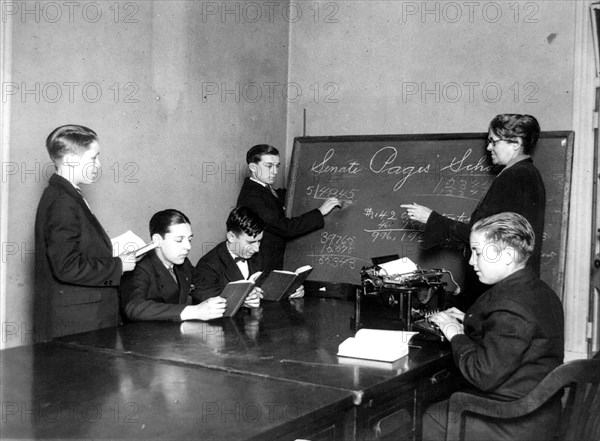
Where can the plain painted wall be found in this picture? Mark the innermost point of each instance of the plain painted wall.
(387, 67)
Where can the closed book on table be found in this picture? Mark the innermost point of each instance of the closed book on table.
(279, 284)
(376, 344)
(235, 293)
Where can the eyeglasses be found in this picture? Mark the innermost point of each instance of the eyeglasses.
(496, 141)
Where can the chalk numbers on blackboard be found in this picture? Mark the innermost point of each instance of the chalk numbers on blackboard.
(461, 187)
(322, 192)
(336, 250)
(385, 231)
(385, 216)
(455, 187)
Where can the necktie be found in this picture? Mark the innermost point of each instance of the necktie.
(273, 192)
(242, 264)
(81, 194)
(172, 272)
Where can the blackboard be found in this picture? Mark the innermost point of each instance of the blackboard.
(373, 175)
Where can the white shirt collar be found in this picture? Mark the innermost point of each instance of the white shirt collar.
(168, 267)
(259, 182)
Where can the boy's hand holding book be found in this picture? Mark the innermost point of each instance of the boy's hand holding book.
(128, 260)
(299, 293)
(253, 298)
(129, 247)
(279, 284)
(207, 310)
(238, 292)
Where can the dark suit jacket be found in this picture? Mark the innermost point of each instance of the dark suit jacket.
(519, 189)
(149, 292)
(76, 275)
(278, 228)
(513, 338)
(217, 268)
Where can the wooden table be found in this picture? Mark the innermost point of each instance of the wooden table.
(295, 341)
(53, 391)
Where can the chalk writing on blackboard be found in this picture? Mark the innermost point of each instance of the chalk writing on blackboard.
(383, 161)
(548, 257)
(336, 250)
(461, 187)
(352, 166)
(374, 175)
(322, 192)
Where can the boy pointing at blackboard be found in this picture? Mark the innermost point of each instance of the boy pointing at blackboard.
(258, 194)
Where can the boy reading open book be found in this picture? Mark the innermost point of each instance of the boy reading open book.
(237, 258)
(163, 281)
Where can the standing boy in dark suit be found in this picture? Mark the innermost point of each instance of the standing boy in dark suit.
(76, 273)
(236, 258)
(258, 195)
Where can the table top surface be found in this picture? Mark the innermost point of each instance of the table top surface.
(55, 391)
(293, 340)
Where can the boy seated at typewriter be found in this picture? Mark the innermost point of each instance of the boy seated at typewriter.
(509, 339)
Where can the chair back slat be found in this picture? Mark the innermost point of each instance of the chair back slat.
(580, 416)
(584, 420)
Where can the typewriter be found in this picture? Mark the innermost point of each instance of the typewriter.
(428, 329)
(401, 301)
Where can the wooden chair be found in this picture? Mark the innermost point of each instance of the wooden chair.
(580, 417)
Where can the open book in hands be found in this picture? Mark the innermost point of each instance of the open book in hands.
(376, 344)
(235, 293)
(129, 242)
(279, 284)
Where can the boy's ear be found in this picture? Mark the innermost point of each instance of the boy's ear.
(253, 167)
(157, 238)
(70, 159)
(231, 236)
(509, 256)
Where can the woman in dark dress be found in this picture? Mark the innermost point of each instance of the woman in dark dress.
(517, 188)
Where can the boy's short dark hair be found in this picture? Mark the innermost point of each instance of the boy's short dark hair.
(70, 138)
(508, 229)
(256, 153)
(244, 220)
(162, 221)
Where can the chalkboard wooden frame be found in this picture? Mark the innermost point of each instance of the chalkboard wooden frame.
(553, 157)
